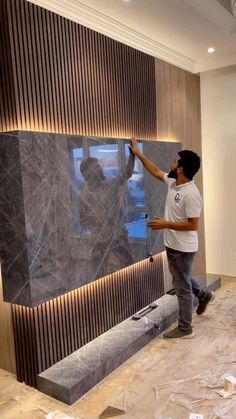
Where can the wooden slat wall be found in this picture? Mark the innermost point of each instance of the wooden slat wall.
(179, 118)
(65, 78)
(49, 332)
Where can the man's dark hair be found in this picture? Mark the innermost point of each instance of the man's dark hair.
(86, 164)
(190, 162)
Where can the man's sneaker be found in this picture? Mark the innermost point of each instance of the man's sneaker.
(179, 334)
(202, 306)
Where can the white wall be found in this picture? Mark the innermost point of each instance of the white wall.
(218, 107)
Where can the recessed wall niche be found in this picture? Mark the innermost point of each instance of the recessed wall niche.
(73, 210)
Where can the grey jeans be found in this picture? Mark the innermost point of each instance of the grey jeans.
(180, 266)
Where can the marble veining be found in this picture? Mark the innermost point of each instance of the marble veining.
(73, 209)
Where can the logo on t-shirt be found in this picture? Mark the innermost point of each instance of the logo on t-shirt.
(177, 198)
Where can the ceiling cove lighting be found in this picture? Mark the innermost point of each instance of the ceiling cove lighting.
(211, 50)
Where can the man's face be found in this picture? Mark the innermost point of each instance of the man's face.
(96, 173)
(173, 174)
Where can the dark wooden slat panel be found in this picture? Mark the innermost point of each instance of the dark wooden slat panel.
(28, 46)
(47, 73)
(93, 48)
(17, 343)
(37, 337)
(55, 29)
(91, 101)
(57, 348)
(22, 57)
(63, 93)
(67, 64)
(52, 66)
(74, 345)
(34, 69)
(51, 334)
(71, 71)
(101, 96)
(69, 79)
(47, 333)
(79, 82)
(14, 65)
(67, 324)
(7, 87)
(3, 100)
(77, 320)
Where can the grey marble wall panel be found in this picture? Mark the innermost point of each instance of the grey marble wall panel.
(13, 241)
(74, 210)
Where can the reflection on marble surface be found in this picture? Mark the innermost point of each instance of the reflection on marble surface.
(73, 209)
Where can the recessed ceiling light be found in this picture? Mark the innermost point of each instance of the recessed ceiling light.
(211, 50)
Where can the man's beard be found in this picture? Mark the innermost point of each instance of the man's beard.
(172, 174)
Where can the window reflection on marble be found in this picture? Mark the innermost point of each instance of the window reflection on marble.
(101, 199)
(130, 205)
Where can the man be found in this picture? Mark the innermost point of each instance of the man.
(180, 224)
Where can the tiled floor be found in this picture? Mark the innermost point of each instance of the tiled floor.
(166, 380)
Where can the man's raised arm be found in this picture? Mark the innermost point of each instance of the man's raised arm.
(149, 166)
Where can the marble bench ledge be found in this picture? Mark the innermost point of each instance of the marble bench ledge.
(72, 377)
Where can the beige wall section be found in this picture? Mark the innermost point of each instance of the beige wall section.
(218, 96)
(179, 118)
(7, 356)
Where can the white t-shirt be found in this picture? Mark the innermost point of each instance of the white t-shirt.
(182, 202)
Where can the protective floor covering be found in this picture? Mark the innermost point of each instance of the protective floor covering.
(166, 380)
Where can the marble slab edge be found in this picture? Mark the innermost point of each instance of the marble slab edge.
(71, 378)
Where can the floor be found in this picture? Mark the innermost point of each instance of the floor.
(165, 380)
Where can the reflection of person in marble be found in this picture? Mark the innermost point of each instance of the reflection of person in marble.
(101, 201)
(180, 224)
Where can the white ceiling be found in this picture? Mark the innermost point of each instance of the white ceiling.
(177, 31)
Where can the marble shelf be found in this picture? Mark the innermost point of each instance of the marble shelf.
(75, 375)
